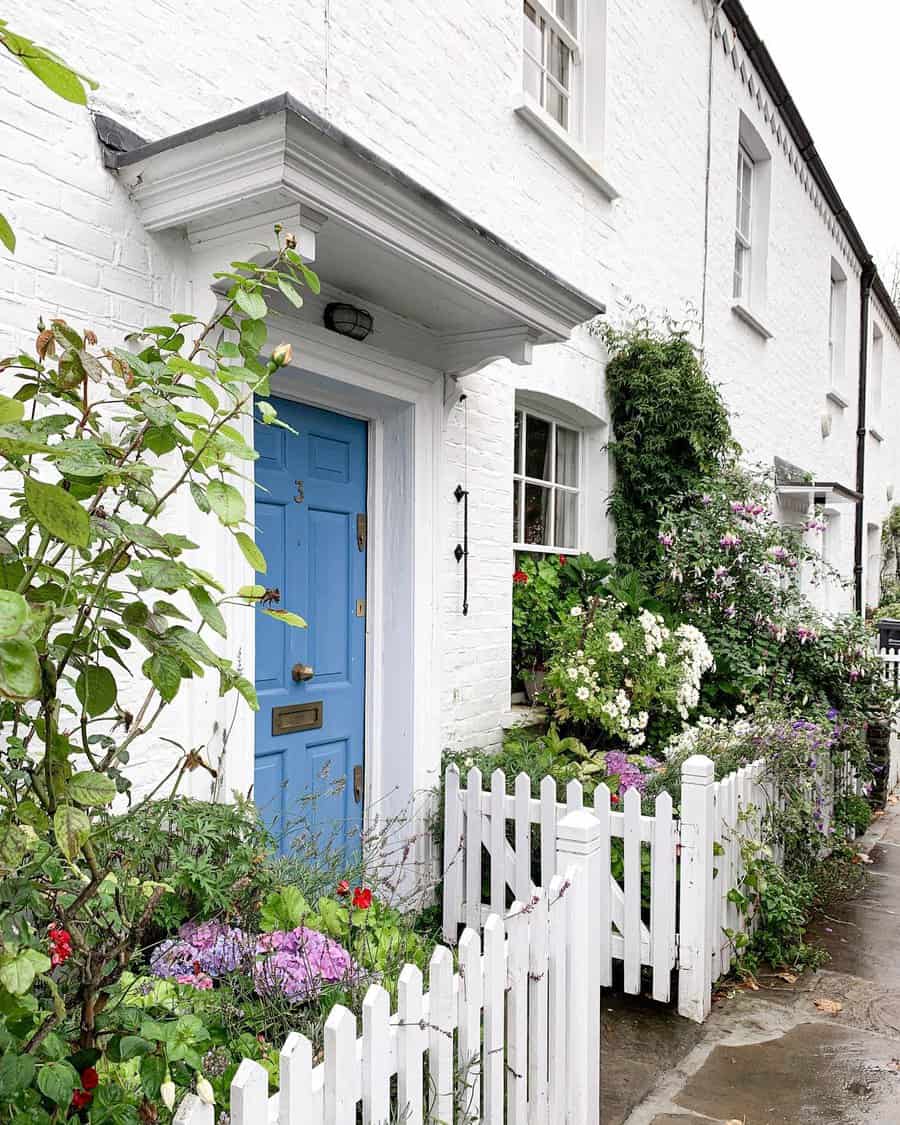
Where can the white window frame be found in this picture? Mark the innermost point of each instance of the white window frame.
(876, 380)
(551, 24)
(837, 330)
(743, 238)
(520, 480)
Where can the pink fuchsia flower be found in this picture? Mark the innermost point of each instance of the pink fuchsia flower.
(736, 506)
(806, 635)
(706, 499)
(779, 554)
(729, 611)
(720, 572)
(666, 538)
(729, 540)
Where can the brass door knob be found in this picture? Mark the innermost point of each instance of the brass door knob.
(302, 672)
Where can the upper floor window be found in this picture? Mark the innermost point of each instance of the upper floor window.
(552, 59)
(546, 485)
(876, 379)
(753, 185)
(837, 328)
(742, 224)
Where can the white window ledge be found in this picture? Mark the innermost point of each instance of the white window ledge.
(541, 121)
(741, 311)
(837, 398)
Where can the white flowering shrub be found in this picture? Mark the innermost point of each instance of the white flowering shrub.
(624, 678)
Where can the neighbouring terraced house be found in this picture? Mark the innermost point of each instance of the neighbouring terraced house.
(475, 183)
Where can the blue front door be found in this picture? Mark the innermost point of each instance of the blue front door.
(310, 525)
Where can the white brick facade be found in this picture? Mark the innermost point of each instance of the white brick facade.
(431, 89)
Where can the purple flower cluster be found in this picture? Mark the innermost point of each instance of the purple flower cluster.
(629, 775)
(295, 963)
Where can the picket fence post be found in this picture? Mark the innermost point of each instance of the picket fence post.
(696, 895)
(579, 844)
(193, 1111)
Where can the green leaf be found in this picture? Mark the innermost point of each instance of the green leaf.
(58, 1081)
(226, 502)
(71, 828)
(250, 302)
(253, 334)
(58, 78)
(153, 1071)
(164, 672)
(286, 617)
(252, 593)
(11, 409)
(209, 611)
(7, 235)
(96, 690)
(18, 970)
(165, 574)
(20, 673)
(13, 846)
(132, 1046)
(13, 612)
(290, 292)
(335, 917)
(16, 1075)
(283, 910)
(91, 788)
(251, 552)
(58, 513)
(199, 497)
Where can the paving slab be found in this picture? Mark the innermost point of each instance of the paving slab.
(824, 1050)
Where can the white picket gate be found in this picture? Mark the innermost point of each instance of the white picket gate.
(511, 1037)
(666, 889)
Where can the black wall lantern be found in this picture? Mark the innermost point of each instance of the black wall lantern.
(347, 320)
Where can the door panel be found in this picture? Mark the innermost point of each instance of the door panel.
(312, 487)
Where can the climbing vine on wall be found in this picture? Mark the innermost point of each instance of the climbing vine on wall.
(670, 431)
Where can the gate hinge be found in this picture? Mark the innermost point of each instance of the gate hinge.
(361, 530)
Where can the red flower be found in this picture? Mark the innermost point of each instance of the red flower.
(520, 577)
(562, 560)
(89, 1078)
(60, 945)
(614, 798)
(343, 887)
(81, 1098)
(362, 898)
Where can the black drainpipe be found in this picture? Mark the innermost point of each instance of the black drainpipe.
(865, 290)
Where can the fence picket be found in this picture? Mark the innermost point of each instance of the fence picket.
(494, 988)
(469, 1001)
(295, 1081)
(498, 842)
(522, 886)
(517, 1014)
(473, 847)
(440, 1035)
(574, 796)
(341, 1075)
(410, 1045)
(453, 854)
(548, 830)
(632, 933)
(538, 1008)
(604, 906)
(376, 1068)
(249, 1094)
(662, 897)
(557, 952)
(193, 1111)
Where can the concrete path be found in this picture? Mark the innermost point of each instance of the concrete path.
(824, 1051)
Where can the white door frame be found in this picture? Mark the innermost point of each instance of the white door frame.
(339, 374)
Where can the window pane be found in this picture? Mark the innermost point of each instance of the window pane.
(517, 508)
(566, 456)
(559, 58)
(537, 448)
(738, 270)
(557, 105)
(537, 514)
(565, 11)
(746, 196)
(566, 519)
(517, 453)
(531, 77)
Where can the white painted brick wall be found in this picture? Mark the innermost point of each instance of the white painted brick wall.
(430, 87)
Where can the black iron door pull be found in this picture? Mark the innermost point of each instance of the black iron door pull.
(461, 551)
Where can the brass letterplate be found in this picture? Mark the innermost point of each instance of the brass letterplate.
(300, 716)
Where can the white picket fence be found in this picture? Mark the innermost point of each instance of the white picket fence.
(890, 658)
(664, 898)
(511, 1037)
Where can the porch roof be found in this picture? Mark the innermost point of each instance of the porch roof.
(372, 230)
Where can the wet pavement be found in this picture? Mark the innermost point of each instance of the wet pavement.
(822, 1051)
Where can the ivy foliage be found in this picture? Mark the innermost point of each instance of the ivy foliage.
(670, 432)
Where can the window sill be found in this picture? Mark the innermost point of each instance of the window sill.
(741, 311)
(837, 398)
(541, 121)
(876, 434)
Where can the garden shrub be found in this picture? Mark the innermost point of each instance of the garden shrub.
(670, 432)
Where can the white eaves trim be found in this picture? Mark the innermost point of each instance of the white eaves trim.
(541, 121)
